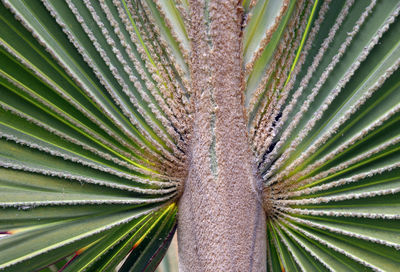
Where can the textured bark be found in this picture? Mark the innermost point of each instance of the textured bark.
(221, 220)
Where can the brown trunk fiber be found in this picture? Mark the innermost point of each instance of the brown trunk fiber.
(221, 220)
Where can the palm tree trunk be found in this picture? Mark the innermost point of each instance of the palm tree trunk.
(221, 220)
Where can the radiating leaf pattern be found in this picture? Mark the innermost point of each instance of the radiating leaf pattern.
(324, 120)
(93, 109)
(95, 120)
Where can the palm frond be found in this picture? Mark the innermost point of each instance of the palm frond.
(93, 107)
(324, 123)
(96, 114)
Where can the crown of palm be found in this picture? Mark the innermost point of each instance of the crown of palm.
(96, 116)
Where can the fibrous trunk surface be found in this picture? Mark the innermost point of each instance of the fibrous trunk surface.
(221, 220)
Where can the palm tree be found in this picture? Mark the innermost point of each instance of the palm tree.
(267, 132)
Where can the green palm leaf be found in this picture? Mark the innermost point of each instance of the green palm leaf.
(96, 112)
(87, 138)
(330, 121)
